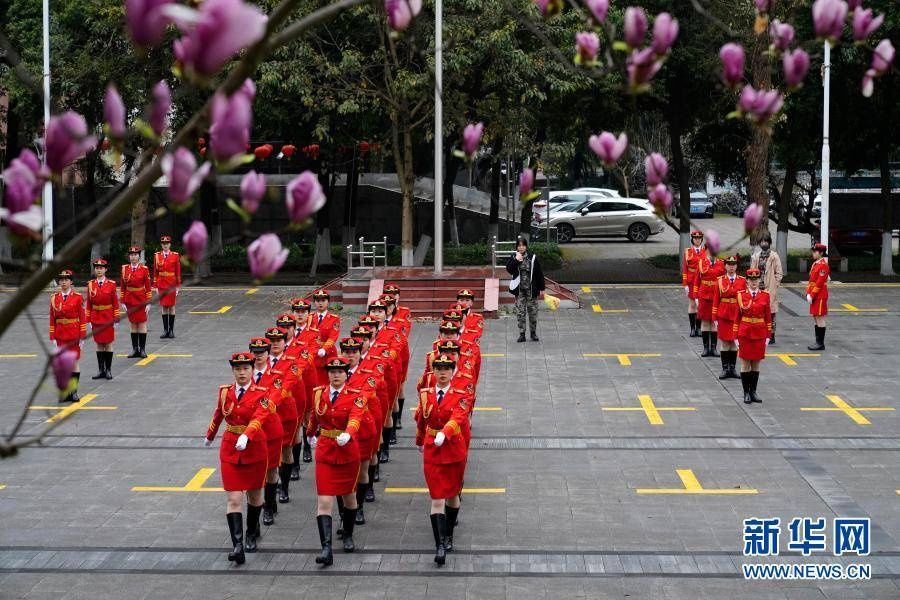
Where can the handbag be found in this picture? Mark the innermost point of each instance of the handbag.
(514, 285)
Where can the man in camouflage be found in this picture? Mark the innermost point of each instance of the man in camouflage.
(527, 285)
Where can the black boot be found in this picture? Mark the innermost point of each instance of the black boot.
(295, 452)
(451, 513)
(171, 327)
(439, 529)
(370, 489)
(101, 363)
(696, 326)
(713, 342)
(349, 515)
(236, 527)
(384, 456)
(725, 365)
(252, 527)
(284, 474)
(745, 383)
(732, 373)
(820, 339)
(165, 320)
(142, 345)
(521, 336)
(360, 500)
(135, 346)
(340, 506)
(754, 379)
(534, 337)
(693, 319)
(307, 450)
(269, 504)
(325, 557)
(109, 357)
(375, 477)
(772, 335)
(399, 415)
(706, 352)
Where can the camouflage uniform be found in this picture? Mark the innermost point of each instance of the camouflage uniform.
(525, 302)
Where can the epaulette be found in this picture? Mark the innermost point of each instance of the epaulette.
(260, 388)
(227, 385)
(319, 387)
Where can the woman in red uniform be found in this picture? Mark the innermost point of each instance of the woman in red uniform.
(753, 329)
(334, 423)
(136, 292)
(242, 456)
(68, 326)
(709, 269)
(689, 264)
(442, 420)
(817, 293)
(282, 376)
(102, 313)
(328, 329)
(725, 311)
(271, 427)
(167, 280)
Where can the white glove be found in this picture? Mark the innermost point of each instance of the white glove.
(321, 352)
(123, 308)
(176, 292)
(342, 439)
(737, 344)
(312, 441)
(147, 308)
(421, 449)
(687, 291)
(242, 442)
(809, 298)
(767, 341)
(207, 442)
(439, 439)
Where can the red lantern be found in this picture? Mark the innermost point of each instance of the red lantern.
(288, 150)
(201, 142)
(364, 148)
(312, 151)
(263, 152)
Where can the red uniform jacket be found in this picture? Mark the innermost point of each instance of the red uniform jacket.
(725, 298)
(707, 274)
(474, 322)
(818, 280)
(283, 384)
(330, 420)
(451, 417)
(756, 319)
(692, 256)
(271, 426)
(402, 312)
(245, 417)
(327, 334)
(303, 347)
(374, 379)
(383, 365)
(102, 302)
(67, 319)
(166, 271)
(136, 286)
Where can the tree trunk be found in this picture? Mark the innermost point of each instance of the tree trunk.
(784, 211)
(681, 178)
(884, 157)
(452, 164)
(757, 156)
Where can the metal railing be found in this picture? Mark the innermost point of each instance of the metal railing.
(501, 250)
(374, 251)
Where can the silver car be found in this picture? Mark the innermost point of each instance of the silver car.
(631, 218)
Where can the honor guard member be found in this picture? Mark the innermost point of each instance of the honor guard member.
(68, 326)
(689, 266)
(473, 321)
(367, 437)
(334, 423)
(328, 330)
(753, 331)
(394, 290)
(272, 429)
(442, 420)
(370, 367)
(709, 269)
(817, 293)
(303, 350)
(469, 351)
(387, 345)
(726, 313)
(401, 328)
(102, 313)
(281, 379)
(167, 280)
(242, 456)
(136, 291)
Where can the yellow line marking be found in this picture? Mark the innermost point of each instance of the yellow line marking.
(853, 309)
(66, 412)
(151, 357)
(624, 359)
(598, 309)
(492, 355)
(251, 291)
(194, 485)
(651, 410)
(692, 486)
(415, 490)
(2, 487)
(585, 289)
(18, 355)
(221, 311)
(788, 357)
(854, 413)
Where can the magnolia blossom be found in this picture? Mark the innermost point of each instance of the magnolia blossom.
(28, 222)
(146, 20)
(66, 139)
(732, 57)
(526, 182)
(215, 33)
(182, 175)
(22, 182)
(753, 215)
(763, 6)
(231, 119)
(549, 8)
(266, 256)
(713, 242)
(114, 113)
(782, 34)
(62, 363)
(608, 147)
(472, 138)
(598, 8)
(194, 241)
(159, 107)
(642, 66)
(854, 4)
(304, 197)
(665, 32)
(796, 65)
(864, 24)
(760, 105)
(883, 57)
(656, 168)
(253, 188)
(660, 197)
(635, 26)
(829, 17)
(398, 13)
(587, 44)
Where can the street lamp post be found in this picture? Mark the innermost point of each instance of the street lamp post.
(47, 197)
(438, 139)
(826, 150)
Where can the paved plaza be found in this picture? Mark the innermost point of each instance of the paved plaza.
(608, 461)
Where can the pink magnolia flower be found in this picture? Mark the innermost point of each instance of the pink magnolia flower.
(713, 241)
(62, 363)
(304, 197)
(23, 180)
(587, 44)
(753, 215)
(868, 83)
(399, 14)
(182, 174)
(883, 57)
(656, 168)
(782, 34)
(829, 17)
(598, 8)
(665, 32)
(472, 138)
(159, 107)
(253, 188)
(526, 182)
(146, 21)
(796, 65)
(642, 66)
(195, 240)
(608, 147)
(215, 33)
(763, 6)
(66, 139)
(854, 4)
(732, 57)
(660, 197)
(549, 8)
(231, 119)
(864, 24)
(266, 256)
(114, 113)
(759, 105)
(635, 26)
(26, 223)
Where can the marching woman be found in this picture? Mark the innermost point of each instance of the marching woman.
(167, 280)
(335, 419)
(817, 293)
(102, 313)
(242, 456)
(708, 272)
(442, 420)
(281, 379)
(753, 329)
(725, 311)
(136, 293)
(68, 326)
(328, 329)
(689, 264)
(368, 429)
(272, 428)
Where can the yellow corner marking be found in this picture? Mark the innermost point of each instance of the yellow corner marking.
(650, 409)
(66, 412)
(692, 486)
(221, 311)
(151, 357)
(415, 490)
(585, 289)
(194, 485)
(251, 291)
(624, 359)
(855, 413)
(18, 355)
(492, 355)
(788, 357)
(598, 309)
(854, 309)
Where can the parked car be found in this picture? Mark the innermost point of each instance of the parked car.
(570, 206)
(626, 217)
(605, 192)
(566, 196)
(701, 205)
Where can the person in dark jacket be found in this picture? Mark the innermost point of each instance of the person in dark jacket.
(527, 285)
